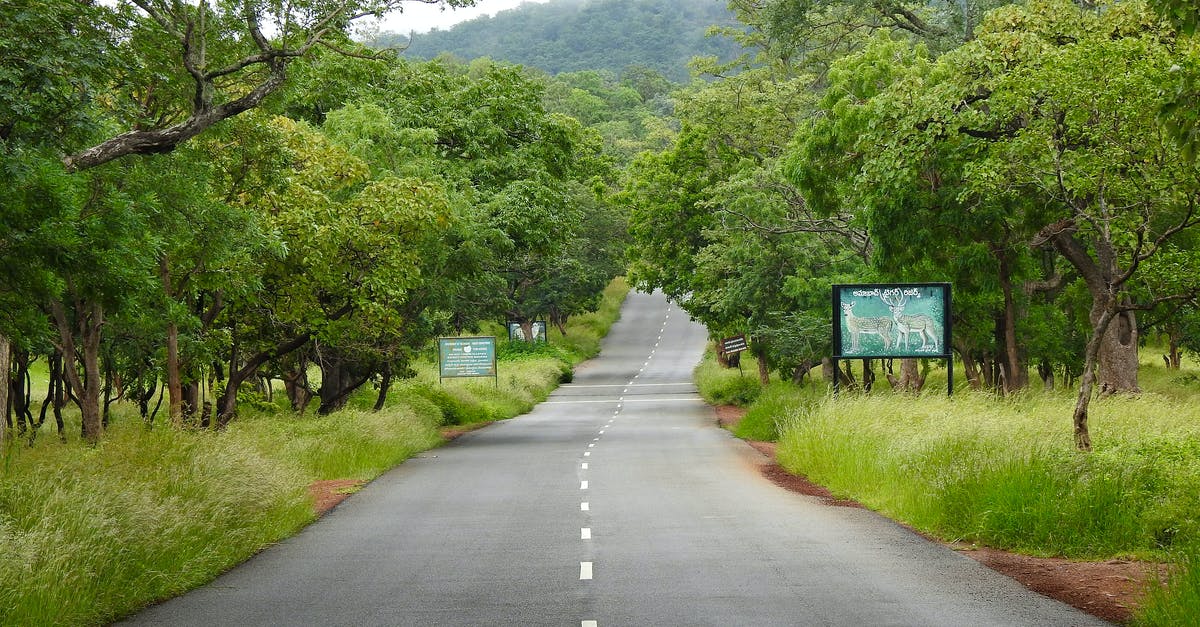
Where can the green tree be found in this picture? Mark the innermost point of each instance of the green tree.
(210, 62)
(1008, 134)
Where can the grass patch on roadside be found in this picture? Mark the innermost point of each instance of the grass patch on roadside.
(1179, 603)
(727, 386)
(88, 534)
(91, 534)
(1004, 472)
(775, 401)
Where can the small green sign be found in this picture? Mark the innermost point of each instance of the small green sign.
(467, 357)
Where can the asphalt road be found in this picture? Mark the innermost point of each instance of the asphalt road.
(616, 502)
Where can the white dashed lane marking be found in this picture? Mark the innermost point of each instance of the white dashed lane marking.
(585, 533)
(583, 507)
(583, 485)
(585, 570)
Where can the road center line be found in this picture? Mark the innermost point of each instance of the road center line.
(583, 485)
(585, 533)
(628, 400)
(571, 386)
(583, 507)
(585, 570)
(585, 466)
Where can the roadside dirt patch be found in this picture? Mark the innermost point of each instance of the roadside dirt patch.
(729, 415)
(1109, 590)
(327, 494)
(457, 431)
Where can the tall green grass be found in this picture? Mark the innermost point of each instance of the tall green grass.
(727, 386)
(89, 534)
(1004, 472)
(1179, 603)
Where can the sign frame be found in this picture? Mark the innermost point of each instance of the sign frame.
(451, 347)
(931, 321)
(540, 332)
(734, 344)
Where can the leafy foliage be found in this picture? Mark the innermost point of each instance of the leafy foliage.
(581, 35)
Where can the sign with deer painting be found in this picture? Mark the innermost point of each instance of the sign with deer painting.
(891, 320)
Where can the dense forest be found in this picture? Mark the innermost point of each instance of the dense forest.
(574, 35)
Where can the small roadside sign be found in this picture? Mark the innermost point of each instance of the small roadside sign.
(735, 344)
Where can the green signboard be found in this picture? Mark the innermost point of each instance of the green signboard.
(892, 320)
(467, 357)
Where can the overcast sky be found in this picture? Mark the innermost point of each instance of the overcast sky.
(421, 18)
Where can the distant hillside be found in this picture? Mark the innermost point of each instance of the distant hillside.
(574, 35)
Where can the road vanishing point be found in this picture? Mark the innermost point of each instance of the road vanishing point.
(618, 501)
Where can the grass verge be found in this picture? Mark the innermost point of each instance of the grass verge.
(90, 534)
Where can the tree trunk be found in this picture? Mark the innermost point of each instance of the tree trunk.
(295, 384)
(911, 379)
(1114, 332)
(87, 388)
(338, 380)
(174, 384)
(846, 375)
(189, 401)
(802, 371)
(5, 364)
(868, 378)
(56, 394)
(19, 392)
(1079, 418)
(384, 383)
(174, 381)
(827, 371)
(764, 370)
(1046, 372)
(722, 358)
(558, 319)
(970, 366)
(227, 404)
(1016, 374)
(1174, 341)
(1118, 358)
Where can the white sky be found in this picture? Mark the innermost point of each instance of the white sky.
(419, 17)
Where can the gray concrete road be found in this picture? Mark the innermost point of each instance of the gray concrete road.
(616, 502)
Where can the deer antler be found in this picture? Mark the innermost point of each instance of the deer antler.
(897, 301)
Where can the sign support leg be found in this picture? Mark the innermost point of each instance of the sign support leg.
(950, 375)
(836, 376)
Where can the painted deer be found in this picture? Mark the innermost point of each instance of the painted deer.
(921, 324)
(871, 326)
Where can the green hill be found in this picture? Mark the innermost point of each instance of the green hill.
(573, 35)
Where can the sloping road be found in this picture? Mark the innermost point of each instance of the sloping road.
(616, 502)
